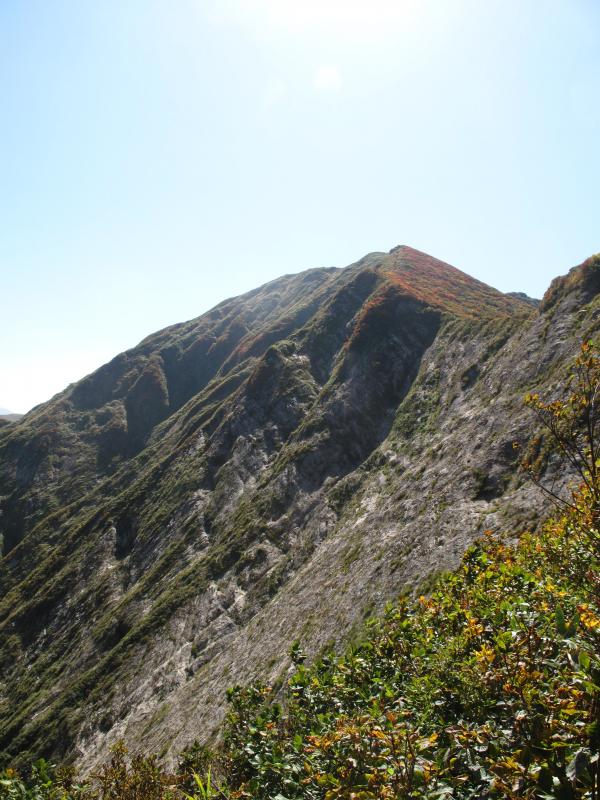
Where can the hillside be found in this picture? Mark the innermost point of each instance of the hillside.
(7, 416)
(488, 687)
(274, 470)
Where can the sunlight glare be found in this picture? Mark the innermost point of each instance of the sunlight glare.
(349, 17)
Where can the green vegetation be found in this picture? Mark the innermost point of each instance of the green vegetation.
(488, 687)
(586, 277)
(120, 778)
(420, 409)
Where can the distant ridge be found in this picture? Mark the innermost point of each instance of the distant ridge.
(533, 301)
(9, 416)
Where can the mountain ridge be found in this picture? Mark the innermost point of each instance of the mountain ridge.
(175, 520)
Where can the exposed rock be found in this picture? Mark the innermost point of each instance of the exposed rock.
(274, 470)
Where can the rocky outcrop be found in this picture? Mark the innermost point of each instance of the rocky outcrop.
(274, 470)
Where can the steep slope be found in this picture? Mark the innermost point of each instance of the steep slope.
(485, 688)
(274, 470)
(91, 428)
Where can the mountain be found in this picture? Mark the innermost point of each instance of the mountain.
(522, 296)
(6, 419)
(7, 416)
(272, 471)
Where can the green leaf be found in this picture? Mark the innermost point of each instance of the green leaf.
(584, 660)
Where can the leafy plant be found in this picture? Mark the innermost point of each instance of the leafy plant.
(572, 423)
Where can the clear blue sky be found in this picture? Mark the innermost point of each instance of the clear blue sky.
(157, 156)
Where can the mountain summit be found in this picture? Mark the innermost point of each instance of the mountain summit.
(272, 471)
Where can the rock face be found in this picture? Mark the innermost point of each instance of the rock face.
(275, 470)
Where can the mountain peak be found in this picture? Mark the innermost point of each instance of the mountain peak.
(442, 286)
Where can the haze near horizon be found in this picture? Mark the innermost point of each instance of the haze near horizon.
(158, 158)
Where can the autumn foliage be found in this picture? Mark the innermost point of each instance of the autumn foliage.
(444, 287)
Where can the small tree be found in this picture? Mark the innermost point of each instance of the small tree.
(573, 425)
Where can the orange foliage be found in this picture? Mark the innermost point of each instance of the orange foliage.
(444, 287)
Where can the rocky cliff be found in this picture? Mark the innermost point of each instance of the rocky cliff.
(273, 471)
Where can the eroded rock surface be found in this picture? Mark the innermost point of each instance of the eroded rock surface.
(275, 470)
